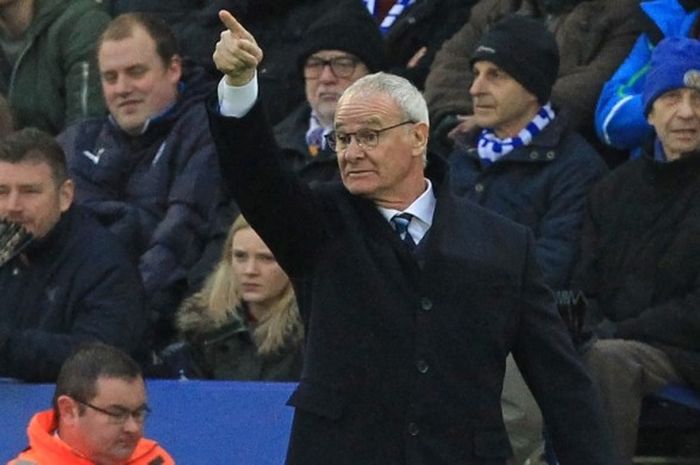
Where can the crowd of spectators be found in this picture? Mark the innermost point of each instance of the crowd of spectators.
(577, 119)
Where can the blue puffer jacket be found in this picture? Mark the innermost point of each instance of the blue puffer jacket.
(77, 284)
(158, 192)
(542, 186)
(619, 116)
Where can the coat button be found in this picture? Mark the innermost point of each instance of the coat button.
(426, 304)
(413, 429)
(422, 366)
(15, 271)
(550, 155)
(534, 155)
(479, 187)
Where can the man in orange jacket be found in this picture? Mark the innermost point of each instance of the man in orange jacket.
(99, 409)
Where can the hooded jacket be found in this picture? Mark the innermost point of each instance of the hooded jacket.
(47, 449)
(59, 47)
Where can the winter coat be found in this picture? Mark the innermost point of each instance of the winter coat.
(75, 285)
(227, 351)
(44, 449)
(640, 258)
(290, 134)
(593, 39)
(158, 191)
(542, 185)
(55, 81)
(619, 116)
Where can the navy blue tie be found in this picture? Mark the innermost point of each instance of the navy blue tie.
(400, 223)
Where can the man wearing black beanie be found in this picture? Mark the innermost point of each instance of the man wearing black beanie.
(524, 162)
(338, 50)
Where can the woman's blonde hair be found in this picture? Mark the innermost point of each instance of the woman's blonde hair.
(220, 298)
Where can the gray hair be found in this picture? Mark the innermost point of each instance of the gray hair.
(406, 95)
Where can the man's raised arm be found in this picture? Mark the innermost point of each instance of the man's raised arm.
(237, 55)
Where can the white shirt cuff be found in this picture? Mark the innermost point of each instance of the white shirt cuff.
(237, 101)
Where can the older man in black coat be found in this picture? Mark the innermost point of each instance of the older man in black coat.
(408, 329)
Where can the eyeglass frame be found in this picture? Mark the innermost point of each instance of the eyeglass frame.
(333, 145)
(329, 62)
(142, 411)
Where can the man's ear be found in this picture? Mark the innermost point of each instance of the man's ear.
(420, 138)
(175, 68)
(68, 408)
(66, 193)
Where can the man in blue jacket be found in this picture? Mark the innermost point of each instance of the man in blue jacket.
(149, 170)
(73, 283)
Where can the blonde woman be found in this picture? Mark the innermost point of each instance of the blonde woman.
(244, 324)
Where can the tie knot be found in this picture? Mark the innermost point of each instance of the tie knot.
(401, 222)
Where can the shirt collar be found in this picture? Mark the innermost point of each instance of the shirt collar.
(422, 209)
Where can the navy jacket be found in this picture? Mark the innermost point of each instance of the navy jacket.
(404, 363)
(158, 192)
(542, 186)
(74, 285)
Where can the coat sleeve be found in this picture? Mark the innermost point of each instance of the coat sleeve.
(543, 348)
(82, 78)
(280, 207)
(619, 115)
(558, 232)
(105, 303)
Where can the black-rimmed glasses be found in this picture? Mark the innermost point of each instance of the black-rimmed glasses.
(341, 67)
(120, 415)
(365, 137)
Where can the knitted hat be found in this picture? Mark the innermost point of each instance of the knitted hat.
(356, 33)
(675, 63)
(525, 49)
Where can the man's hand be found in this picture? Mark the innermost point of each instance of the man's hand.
(466, 124)
(237, 54)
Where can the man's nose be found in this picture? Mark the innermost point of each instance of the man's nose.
(353, 150)
(122, 85)
(327, 74)
(13, 202)
(476, 87)
(132, 425)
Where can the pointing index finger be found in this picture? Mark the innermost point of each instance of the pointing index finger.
(232, 24)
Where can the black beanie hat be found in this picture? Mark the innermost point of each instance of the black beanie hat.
(356, 33)
(525, 49)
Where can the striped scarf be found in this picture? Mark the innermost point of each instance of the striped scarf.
(491, 148)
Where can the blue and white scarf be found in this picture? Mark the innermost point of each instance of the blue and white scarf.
(391, 16)
(491, 148)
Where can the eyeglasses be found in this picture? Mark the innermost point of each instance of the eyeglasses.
(121, 414)
(365, 137)
(341, 67)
